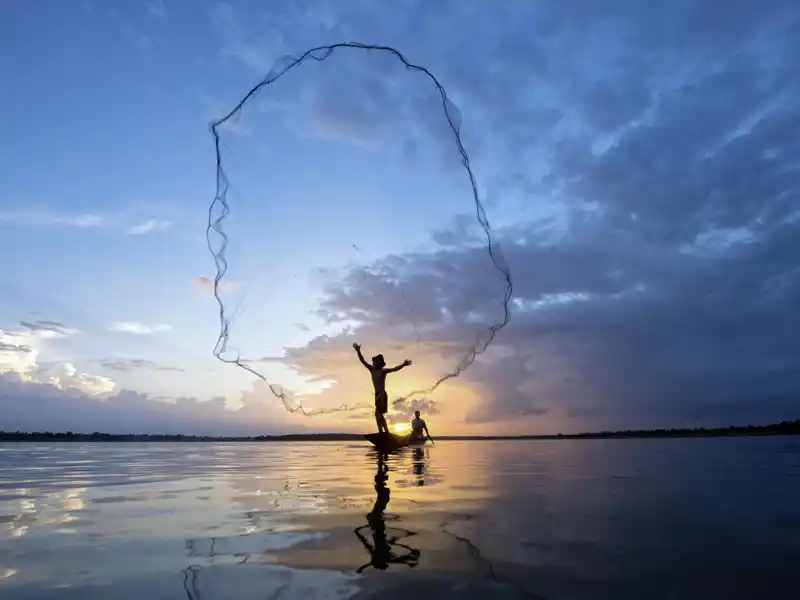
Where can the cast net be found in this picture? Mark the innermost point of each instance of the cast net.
(346, 210)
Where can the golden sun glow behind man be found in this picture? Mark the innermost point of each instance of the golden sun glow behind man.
(401, 428)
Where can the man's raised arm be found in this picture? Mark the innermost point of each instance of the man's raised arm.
(361, 356)
(405, 363)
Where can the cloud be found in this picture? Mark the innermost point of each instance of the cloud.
(53, 327)
(644, 171)
(145, 43)
(65, 376)
(157, 9)
(56, 396)
(406, 410)
(256, 46)
(149, 226)
(126, 365)
(137, 328)
(19, 359)
(206, 284)
(43, 406)
(44, 217)
(6, 347)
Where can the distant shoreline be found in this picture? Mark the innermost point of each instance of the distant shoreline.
(782, 428)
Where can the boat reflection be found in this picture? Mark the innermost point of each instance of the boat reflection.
(385, 549)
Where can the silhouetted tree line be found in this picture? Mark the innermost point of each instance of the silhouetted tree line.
(782, 428)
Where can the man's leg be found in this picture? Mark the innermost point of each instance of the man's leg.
(382, 426)
(381, 404)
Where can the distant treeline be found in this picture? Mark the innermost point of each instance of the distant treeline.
(782, 428)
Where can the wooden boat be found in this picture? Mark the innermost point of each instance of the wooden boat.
(387, 442)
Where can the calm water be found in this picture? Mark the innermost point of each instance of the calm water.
(713, 518)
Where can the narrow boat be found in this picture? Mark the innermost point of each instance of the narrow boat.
(386, 442)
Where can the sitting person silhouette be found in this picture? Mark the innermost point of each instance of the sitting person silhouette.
(379, 371)
(419, 429)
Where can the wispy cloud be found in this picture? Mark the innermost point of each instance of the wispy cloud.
(255, 47)
(87, 220)
(6, 347)
(48, 327)
(149, 226)
(142, 41)
(207, 285)
(44, 217)
(157, 9)
(125, 365)
(137, 328)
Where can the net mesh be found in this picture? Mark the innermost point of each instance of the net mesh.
(380, 272)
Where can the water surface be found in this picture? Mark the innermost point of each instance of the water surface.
(684, 518)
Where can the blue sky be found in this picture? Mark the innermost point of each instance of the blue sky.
(606, 143)
(111, 169)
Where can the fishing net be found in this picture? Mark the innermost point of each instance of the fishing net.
(330, 180)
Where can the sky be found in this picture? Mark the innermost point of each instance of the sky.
(639, 166)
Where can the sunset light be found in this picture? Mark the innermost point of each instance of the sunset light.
(401, 428)
(415, 312)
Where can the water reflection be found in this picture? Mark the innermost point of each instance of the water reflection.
(39, 508)
(418, 460)
(599, 519)
(190, 575)
(385, 549)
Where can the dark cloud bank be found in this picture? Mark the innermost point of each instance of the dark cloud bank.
(670, 139)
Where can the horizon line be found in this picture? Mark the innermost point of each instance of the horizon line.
(786, 426)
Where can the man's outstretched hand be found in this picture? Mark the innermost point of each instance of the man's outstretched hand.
(406, 362)
(357, 346)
